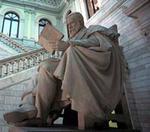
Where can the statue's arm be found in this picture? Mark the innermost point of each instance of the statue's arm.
(91, 41)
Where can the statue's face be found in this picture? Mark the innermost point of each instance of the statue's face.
(74, 26)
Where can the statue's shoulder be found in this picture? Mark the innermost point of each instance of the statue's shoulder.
(95, 28)
(111, 31)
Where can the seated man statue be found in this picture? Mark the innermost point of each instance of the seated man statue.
(89, 76)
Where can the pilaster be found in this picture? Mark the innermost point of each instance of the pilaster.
(33, 25)
(29, 25)
(1, 21)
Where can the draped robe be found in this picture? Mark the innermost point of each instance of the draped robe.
(92, 77)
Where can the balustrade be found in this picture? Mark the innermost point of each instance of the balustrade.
(21, 62)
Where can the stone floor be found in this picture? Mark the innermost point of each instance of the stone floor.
(62, 129)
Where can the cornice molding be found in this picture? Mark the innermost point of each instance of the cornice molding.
(45, 7)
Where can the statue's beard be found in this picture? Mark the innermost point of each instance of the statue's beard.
(74, 31)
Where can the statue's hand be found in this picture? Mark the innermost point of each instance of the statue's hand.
(71, 43)
(61, 45)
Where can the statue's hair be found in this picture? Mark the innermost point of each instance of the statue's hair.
(75, 16)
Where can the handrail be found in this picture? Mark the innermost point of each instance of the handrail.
(13, 44)
(21, 62)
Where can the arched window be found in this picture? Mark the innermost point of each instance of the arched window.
(68, 12)
(11, 24)
(42, 23)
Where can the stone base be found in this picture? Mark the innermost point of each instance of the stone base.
(40, 129)
(62, 129)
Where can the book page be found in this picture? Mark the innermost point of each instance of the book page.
(49, 36)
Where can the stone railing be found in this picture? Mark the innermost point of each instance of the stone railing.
(13, 44)
(21, 62)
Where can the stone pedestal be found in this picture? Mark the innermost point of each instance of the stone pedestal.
(62, 129)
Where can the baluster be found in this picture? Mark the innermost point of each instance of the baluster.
(38, 59)
(59, 54)
(37, 62)
(18, 66)
(50, 55)
(6, 69)
(42, 56)
(47, 54)
(34, 60)
(23, 63)
(1, 70)
(11, 67)
(28, 62)
(55, 54)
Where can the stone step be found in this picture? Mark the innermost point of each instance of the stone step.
(63, 129)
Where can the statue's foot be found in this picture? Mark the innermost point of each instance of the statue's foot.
(56, 111)
(20, 114)
(35, 122)
(59, 105)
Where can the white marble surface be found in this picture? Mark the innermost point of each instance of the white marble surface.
(11, 89)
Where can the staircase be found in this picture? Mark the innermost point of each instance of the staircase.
(5, 53)
(11, 89)
(11, 43)
(21, 62)
(15, 73)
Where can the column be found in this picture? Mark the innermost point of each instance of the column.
(26, 24)
(21, 28)
(33, 26)
(1, 21)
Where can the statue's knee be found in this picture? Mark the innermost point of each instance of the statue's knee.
(48, 65)
(44, 65)
(70, 50)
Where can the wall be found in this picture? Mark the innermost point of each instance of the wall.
(11, 89)
(134, 39)
(136, 48)
(29, 18)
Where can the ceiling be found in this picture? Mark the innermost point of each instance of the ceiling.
(50, 5)
(54, 3)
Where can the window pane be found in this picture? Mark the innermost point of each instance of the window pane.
(10, 25)
(6, 27)
(42, 23)
(14, 29)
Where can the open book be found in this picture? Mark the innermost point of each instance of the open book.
(49, 36)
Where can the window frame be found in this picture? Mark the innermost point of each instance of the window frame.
(94, 10)
(40, 25)
(11, 19)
